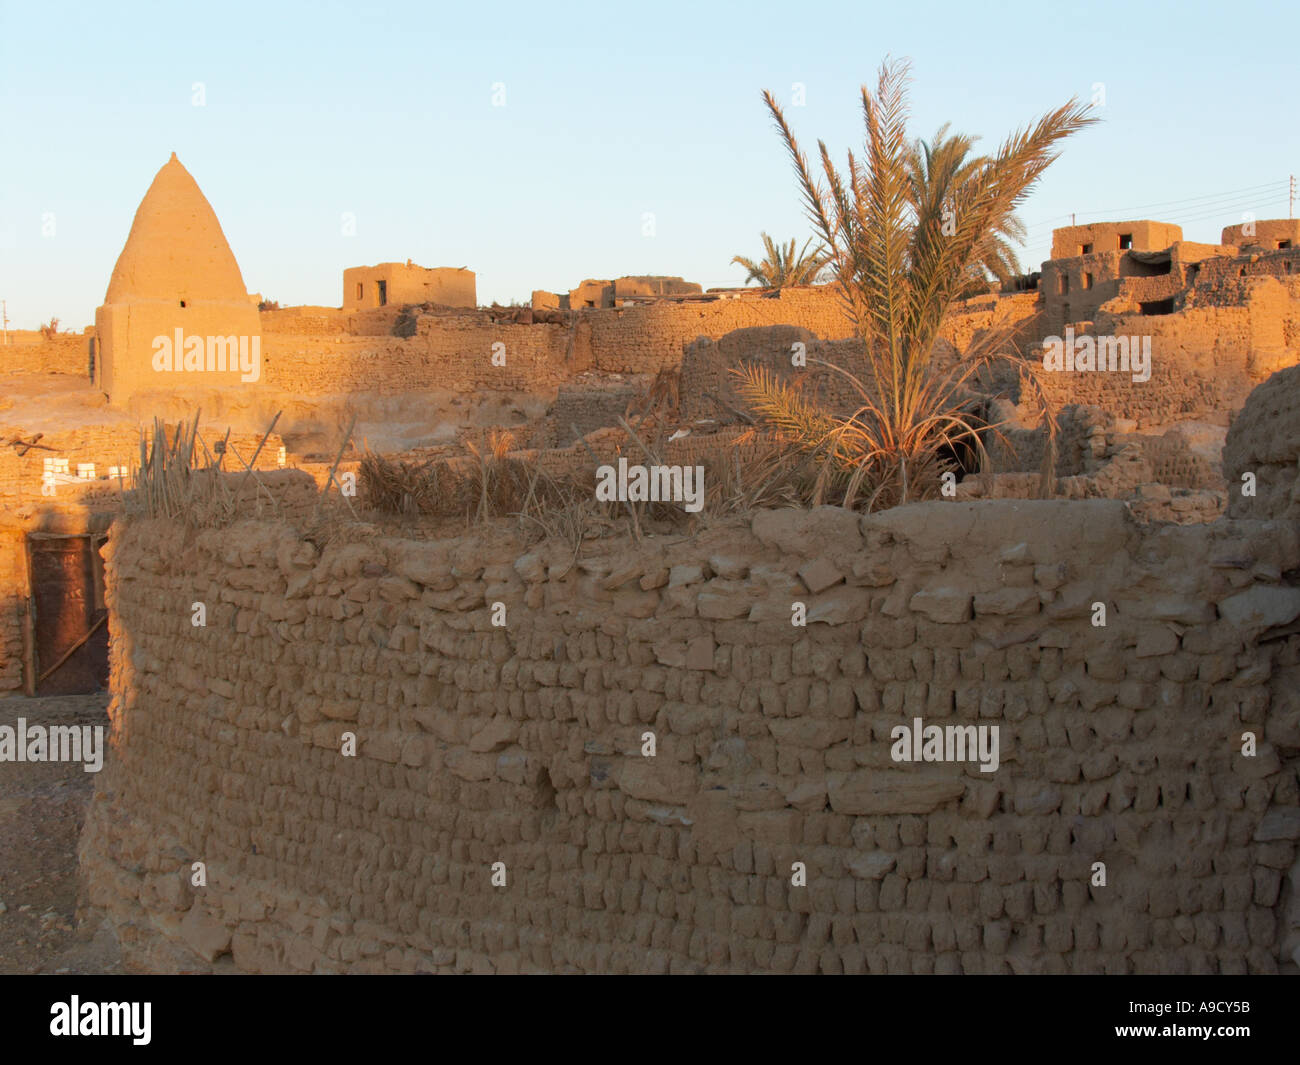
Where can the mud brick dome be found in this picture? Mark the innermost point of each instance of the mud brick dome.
(176, 249)
(176, 271)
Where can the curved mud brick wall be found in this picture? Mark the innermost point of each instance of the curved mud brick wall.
(1264, 440)
(523, 744)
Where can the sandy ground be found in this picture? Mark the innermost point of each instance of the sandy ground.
(42, 807)
(50, 402)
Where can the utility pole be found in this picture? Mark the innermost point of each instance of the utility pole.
(4, 315)
(1290, 205)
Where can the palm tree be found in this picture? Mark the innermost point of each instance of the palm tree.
(781, 266)
(936, 169)
(899, 259)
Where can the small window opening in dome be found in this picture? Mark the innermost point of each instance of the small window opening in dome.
(182, 303)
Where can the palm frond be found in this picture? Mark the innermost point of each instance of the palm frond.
(907, 228)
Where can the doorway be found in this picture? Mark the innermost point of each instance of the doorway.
(69, 620)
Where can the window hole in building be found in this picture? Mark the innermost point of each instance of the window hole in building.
(1139, 266)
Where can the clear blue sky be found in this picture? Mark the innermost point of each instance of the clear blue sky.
(385, 110)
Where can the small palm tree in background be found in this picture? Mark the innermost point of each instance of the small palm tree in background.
(938, 167)
(900, 255)
(782, 266)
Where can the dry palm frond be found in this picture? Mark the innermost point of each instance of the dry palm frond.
(881, 454)
(757, 472)
(783, 406)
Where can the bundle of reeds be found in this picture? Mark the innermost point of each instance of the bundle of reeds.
(164, 482)
(178, 476)
(410, 488)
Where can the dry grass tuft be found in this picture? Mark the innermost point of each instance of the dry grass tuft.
(179, 477)
(490, 483)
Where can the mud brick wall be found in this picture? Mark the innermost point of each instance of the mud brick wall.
(104, 445)
(451, 353)
(116, 444)
(1174, 464)
(321, 355)
(646, 338)
(1199, 364)
(330, 352)
(13, 606)
(706, 376)
(331, 321)
(1081, 440)
(1236, 328)
(1088, 443)
(1283, 265)
(522, 744)
(30, 352)
(587, 409)
(1019, 316)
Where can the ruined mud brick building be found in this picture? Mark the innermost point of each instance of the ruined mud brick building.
(498, 812)
(619, 292)
(399, 284)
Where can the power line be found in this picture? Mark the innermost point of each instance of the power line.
(1196, 200)
(1199, 201)
(1253, 205)
(1189, 199)
(1256, 210)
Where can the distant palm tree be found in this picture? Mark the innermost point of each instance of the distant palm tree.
(781, 266)
(900, 256)
(937, 169)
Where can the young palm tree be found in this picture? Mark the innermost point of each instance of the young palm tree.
(936, 168)
(781, 266)
(900, 257)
